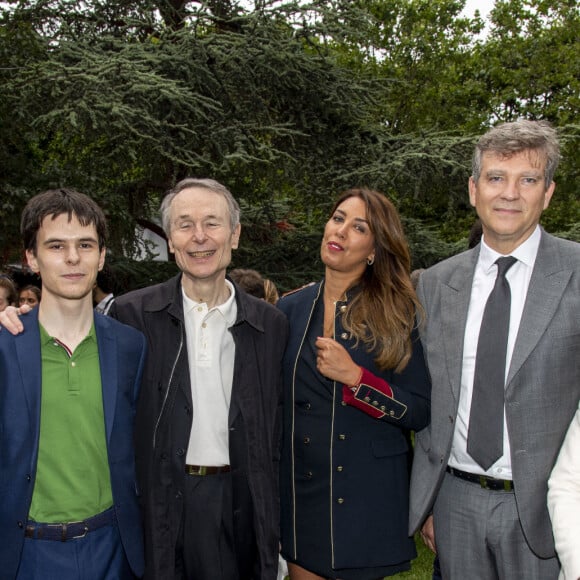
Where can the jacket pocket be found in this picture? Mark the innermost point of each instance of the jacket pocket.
(389, 447)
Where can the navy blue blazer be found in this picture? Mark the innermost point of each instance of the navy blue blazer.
(121, 355)
(369, 494)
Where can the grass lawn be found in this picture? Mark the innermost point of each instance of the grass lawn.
(421, 567)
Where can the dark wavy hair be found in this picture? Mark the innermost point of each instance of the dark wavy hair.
(55, 202)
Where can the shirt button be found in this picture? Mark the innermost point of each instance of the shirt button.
(308, 406)
(342, 437)
(340, 500)
(339, 468)
(343, 308)
(309, 475)
(344, 336)
(306, 440)
(203, 325)
(180, 452)
(199, 309)
(73, 364)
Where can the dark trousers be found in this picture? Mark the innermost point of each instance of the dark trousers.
(436, 569)
(206, 545)
(97, 556)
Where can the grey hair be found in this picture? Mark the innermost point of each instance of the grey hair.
(508, 139)
(191, 182)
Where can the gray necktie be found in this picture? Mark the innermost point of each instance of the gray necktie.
(485, 435)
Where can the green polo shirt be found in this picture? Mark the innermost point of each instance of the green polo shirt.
(72, 473)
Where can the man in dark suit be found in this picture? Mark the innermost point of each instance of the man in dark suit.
(489, 515)
(208, 422)
(68, 390)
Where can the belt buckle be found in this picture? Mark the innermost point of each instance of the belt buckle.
(64, 528)
(85, 531)
(198, 469)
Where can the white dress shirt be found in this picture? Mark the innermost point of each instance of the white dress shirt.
(210, 351)
(564, 502)
(105, 304)
(484, 278)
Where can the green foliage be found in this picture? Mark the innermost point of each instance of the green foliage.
(287, 103)
(127, 274)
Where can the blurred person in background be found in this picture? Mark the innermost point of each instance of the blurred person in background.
(271, 294)
(564, 502)
(30, 295)
(8, 294)
(103, 296)
(249, 280)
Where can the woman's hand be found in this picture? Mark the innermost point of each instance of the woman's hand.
(334, 362)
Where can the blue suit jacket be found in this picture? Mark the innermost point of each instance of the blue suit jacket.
(121, 355)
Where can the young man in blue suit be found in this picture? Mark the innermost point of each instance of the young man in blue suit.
(68, 390)
(208, 422)
(486, 487)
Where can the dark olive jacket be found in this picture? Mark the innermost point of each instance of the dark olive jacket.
(164, 416)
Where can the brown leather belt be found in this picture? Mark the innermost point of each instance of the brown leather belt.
(206, 469)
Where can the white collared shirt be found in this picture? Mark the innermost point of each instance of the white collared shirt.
(105, 304)
(210, 352)
(518, 276)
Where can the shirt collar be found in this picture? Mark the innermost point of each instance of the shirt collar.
(525, 252)
(105, 300)
(45, 338)
(227, 309)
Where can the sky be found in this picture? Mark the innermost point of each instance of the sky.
(484, 7)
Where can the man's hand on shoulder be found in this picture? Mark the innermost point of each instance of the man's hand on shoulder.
(10, 318)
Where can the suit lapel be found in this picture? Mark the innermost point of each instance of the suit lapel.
(107, 345)
(547, 285)
(29, 361)
(455, 296)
